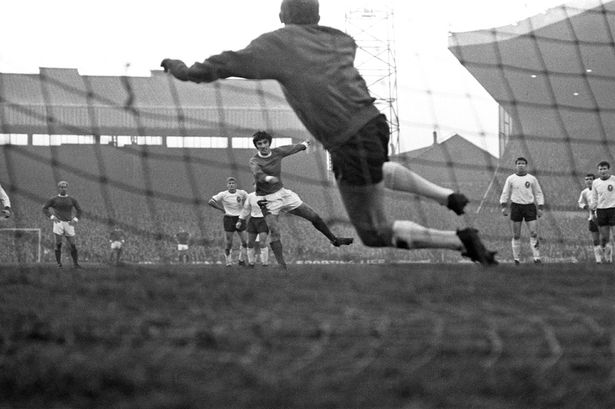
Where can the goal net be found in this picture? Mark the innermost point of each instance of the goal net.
(147, 152)
(20, 245)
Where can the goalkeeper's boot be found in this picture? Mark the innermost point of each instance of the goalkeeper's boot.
(474, 247)
(456, 202)
(342, 241)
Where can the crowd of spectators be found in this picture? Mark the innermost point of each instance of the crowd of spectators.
(151, 219)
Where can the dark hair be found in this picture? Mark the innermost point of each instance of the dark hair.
(590, 175)
(604, 163)
(299, 12)
(260, 135)
(522, 159)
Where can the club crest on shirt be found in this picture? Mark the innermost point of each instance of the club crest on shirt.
(527, 185)
(610, 188)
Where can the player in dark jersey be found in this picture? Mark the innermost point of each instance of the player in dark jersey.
(117, 238)
(182, 239)
(65, 212)
(266, 166)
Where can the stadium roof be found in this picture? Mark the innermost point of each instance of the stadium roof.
(60, 100)
(553, 73)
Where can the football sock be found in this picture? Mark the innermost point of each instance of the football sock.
(243, 252)
(251, 256)
(398, 177)
(598, 253)
(516, 248)
(409, 235)
(74, 254)
(322, 227)
(276, 246)
(534, 245)
(264, 255)
(608, 253)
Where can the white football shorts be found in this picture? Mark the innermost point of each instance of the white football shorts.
(63, 229)
(116, 245)
(284, 200)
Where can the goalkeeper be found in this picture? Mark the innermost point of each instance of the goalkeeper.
(315, 66)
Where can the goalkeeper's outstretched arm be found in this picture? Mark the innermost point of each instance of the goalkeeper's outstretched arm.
(198, 72)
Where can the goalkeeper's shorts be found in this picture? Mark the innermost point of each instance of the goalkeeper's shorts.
(359, 161)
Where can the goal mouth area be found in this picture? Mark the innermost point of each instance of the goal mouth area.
(20, 245)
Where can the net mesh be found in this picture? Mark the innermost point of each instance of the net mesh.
(146, 153)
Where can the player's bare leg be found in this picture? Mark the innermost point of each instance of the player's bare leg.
(264, 249)
(58, 250)
(398, 177)
(274, 235)
(228, 249)
(308, 213)
(251, 251)
(516, 242)
(73, 251)
(605, 242)
(365, 207)
(534, 241)
(243, 249)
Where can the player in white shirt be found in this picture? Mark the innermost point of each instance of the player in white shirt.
(230, 202)
(585, 199)
(526, 199)
(6, 204)
(603, 202)
(257, 229)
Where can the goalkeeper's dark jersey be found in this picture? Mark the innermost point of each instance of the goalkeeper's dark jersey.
(271, 166)
(62, 208)
(315, 66)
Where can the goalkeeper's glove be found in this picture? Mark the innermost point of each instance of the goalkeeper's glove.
(177, 68)
(6, 212)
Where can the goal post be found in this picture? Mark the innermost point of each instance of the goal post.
(20, 245)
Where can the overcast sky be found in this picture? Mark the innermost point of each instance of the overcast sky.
(130, 37)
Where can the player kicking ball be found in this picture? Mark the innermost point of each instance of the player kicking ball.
(266, 166)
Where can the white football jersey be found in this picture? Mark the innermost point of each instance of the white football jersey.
(585, 199)
(251, 207)
(603, 193)
(232, 202)
(522, 190)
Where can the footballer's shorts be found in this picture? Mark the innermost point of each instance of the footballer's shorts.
(257, 225)
(605, 217)
(284, 200)
(116, 244)
(520, 212)
(62, 228)
(592, 226)
(230, 223)
(359, 161)
(182, 247)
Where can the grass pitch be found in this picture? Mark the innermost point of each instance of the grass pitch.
(344, 336)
